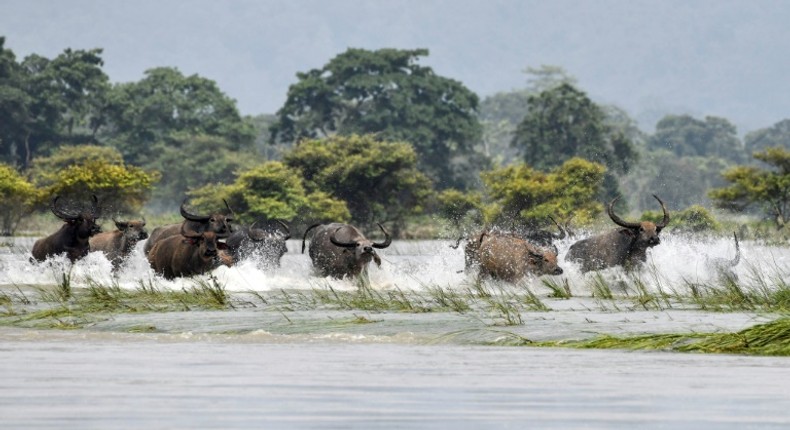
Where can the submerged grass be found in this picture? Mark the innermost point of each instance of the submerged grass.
(772, 338)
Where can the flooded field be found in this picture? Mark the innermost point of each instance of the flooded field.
(289, 350)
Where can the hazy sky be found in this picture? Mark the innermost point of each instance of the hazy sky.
(722, 58)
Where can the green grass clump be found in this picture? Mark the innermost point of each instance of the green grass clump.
(772, 338)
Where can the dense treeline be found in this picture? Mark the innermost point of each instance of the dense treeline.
(370, 136)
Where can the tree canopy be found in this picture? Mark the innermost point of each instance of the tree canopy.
(767, 187)
(688, 137)
(522, 195)
(562, 123)
(778, 135)
(387, 93)
(18, 197)
(377, 179)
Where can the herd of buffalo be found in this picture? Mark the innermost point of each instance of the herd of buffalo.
(203, 242)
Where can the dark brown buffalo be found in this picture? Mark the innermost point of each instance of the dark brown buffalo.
(187, 254)
(265, 245)
(340, 250)
(118, 244)
(625, 247)
(510, 258)
(73, 236)
(218, 223)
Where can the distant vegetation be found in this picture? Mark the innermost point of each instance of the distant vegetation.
(371, 136)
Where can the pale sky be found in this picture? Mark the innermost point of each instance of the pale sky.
(722, 58)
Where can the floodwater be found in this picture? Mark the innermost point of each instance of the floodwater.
(246, 368)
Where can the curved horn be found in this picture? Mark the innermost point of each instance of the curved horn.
(387, 239)
(286, 229)
(120, 224)
(305, 234)
(617, 220)
(143, 220)
(192, 217)
(189, 233)
(256, 235)
(341, 244)
(665, 221)
(232, 214)
(457, 242)
(60, 213)
(562, 230)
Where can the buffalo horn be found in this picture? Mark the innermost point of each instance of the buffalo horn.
(232, 214)
(617, 220)
(286, 229)
(562, 230)
(120, 224)
(95, 209)
(192, 217)
(665, 221)
(342, 244)
(387, 239)
(60, 213)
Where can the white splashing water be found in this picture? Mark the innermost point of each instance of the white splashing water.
(409, 265)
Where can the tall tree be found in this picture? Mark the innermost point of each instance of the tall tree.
(767, 188)
(778, 135)
(166, 103)
(687, 137)
(377, 179)
(14, 107)
(563, 123)
(386, 92)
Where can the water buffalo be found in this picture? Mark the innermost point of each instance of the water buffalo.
(510, 258)
(625, 247)
(118, 244)
(189, 253)
(218, 223)
(340, 250)
(73, 236)
(266, 245)
(541, 238)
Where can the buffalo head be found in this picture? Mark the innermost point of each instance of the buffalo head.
(218, 223)
(363, 248)
(83, 222)
(645, 232)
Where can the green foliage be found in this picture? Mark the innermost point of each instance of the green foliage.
(455, 205)
(78, 172)
(686, 136)
(777, 135)
(522, 194)
(188, 162)
(46, 103)
(693, 219)
(272, 190)
(17, 198)
(387, 93)
(378, 180)
(143, 116)
(768, 188)
(561, 123)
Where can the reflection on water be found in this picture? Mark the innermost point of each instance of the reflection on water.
(312, 369)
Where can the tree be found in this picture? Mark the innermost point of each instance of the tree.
(47, 103)
(455, 206)
(767, 188)
(272, 191)
(377, 179)
(387, 93)
(17, 198)
(777, 135)
(688, 137)
(563, 123)
(523, 195)
(188, 162)
(80, 171)
(142, 115)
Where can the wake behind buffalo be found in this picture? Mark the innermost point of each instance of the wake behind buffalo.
(204, 242)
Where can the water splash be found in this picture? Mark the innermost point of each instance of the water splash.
(407, 265)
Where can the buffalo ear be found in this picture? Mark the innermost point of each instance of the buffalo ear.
(222, 246)
(628, 232)
(377, 259)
